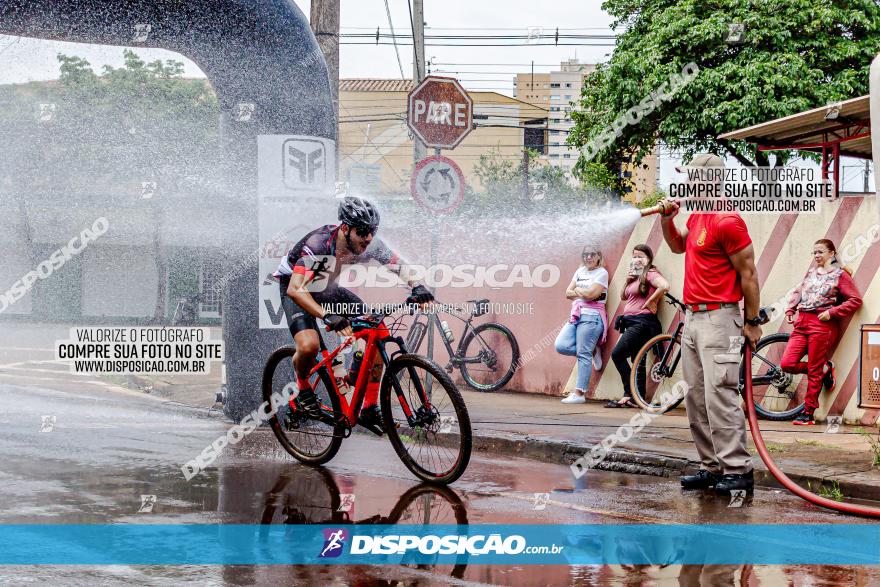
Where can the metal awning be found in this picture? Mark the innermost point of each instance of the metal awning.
(836, 130)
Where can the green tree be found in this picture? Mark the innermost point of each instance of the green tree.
(504, 190)
(139, 122)
(795, 55)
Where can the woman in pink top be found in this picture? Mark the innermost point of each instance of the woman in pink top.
(638, 323)
(826, 296)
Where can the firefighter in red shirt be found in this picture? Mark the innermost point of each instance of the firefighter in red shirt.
(719, 272)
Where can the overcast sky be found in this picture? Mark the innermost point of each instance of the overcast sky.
(23, 59)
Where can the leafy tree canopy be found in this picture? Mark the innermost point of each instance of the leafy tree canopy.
(795, 55)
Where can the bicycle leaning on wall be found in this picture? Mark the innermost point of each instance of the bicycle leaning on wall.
(487, 354)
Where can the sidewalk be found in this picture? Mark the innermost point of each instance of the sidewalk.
(540, 427)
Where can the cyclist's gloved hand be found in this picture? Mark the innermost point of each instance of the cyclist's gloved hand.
(421, 295)
(336, 322)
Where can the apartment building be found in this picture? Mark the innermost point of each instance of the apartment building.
(558, 92)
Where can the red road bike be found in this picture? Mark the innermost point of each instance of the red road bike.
(423, 412)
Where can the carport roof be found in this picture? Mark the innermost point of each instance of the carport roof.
(812, 131)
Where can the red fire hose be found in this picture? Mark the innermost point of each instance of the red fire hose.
(847, 508)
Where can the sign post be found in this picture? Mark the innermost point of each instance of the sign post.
(441, 114)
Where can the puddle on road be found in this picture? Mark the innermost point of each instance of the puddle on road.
(257, 484)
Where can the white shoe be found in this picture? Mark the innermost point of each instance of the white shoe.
(597, 359)
(574, 398)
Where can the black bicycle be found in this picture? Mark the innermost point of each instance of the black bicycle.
(487, 354)
(775, 392)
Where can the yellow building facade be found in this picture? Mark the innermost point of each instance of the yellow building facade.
(376, 146)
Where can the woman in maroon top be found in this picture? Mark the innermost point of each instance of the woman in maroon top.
(825, 297)
(638, 323)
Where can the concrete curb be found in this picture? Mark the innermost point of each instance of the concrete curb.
(565, 453)
(648, 463)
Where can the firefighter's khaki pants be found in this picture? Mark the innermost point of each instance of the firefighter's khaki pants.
(710, 349)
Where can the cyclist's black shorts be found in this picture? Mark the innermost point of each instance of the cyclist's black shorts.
(298, 319)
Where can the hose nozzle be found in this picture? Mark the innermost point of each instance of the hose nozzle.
(663, 208)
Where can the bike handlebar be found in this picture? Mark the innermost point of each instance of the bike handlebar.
(673, 301)
(372, 320)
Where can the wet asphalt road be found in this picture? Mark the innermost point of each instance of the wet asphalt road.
(106, 447)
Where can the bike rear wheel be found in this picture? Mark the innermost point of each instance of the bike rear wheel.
(775, 392)
(491, 355)
(652, 377)
(310, 441)
(426, 419)
(303, 495)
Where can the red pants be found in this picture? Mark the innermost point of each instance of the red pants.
(815, 338)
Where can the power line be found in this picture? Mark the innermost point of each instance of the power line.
(527, 37)
(500, 64)
(351, 117)
(547, 28)
(482, 146)
(506, 74)
(394, 37)
(524, 44)
(490, 44)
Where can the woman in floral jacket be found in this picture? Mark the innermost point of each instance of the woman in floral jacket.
(824, 298)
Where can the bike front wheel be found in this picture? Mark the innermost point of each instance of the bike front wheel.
(489, 357)
(774, 391)
(653, 374)
(426, 419)
(428, 505)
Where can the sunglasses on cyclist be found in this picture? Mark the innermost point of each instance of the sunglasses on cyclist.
(589, 255)
(364, 232)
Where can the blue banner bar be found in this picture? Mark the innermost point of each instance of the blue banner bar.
(213, 544)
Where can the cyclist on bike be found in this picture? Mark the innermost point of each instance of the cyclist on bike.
(307, 278)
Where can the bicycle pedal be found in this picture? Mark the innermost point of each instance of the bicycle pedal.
(372, 428)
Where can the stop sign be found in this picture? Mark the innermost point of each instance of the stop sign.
(440, 112)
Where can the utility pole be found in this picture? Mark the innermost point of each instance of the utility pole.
(867, 171)
(533, 77)
(418, 30)
(324, 18)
